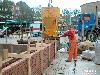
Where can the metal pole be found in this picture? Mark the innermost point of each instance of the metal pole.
(70, 16)
(30, 32)
(96, 16)
(49, 1)
(6, 36)
(70, 19)
(49, 4)
(0, 65)
(82, 30)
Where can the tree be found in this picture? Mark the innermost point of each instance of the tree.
(1, 8)
(69, 13)
(37, 12)
(7, 8)
(66, 12)
(24, 11)
(76, 12)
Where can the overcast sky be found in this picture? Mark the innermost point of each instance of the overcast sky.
(73, 4)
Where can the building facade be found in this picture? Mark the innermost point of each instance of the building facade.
(92, 7)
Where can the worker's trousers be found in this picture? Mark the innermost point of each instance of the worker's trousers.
(72, 50)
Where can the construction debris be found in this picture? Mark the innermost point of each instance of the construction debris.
(88, 55)
(97, 52)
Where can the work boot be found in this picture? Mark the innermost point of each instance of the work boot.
(67, 61)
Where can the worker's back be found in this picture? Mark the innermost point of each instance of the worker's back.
(71, 33)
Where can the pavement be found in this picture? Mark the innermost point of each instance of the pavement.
(60, 67)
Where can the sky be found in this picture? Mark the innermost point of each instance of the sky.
(70, 4)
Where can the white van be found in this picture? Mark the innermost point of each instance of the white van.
(36, 28)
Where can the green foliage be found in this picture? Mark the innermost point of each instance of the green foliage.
(24, 12)
(6, 8)
(76, 12)
(66, 12)
(37, 12)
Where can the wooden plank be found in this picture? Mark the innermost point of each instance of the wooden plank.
(11, 48)
(43, 44)
(49, 55)
(6, 60)
(29, 63)
(29, 67)
(5, 52)
(28, 47)
(33, 48)
(0, 65)
(55, 46)
(15, 55)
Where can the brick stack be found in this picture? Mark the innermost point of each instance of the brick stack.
(19, 67)
(10, 61)
(44, 58)
(39, 62)
(36, 64)
(52, 52)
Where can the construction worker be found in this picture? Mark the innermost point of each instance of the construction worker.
(73, 43)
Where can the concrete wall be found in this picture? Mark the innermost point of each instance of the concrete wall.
(14, 47)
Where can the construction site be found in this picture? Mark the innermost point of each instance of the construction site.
(52, 43)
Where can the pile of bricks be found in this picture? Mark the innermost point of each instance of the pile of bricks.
(9, 61)
(36, 64)
(52, 52)
(19, 67)
(44, 58)
(39, 61)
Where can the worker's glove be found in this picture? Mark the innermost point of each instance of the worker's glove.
(62, 35)
(76, 31)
